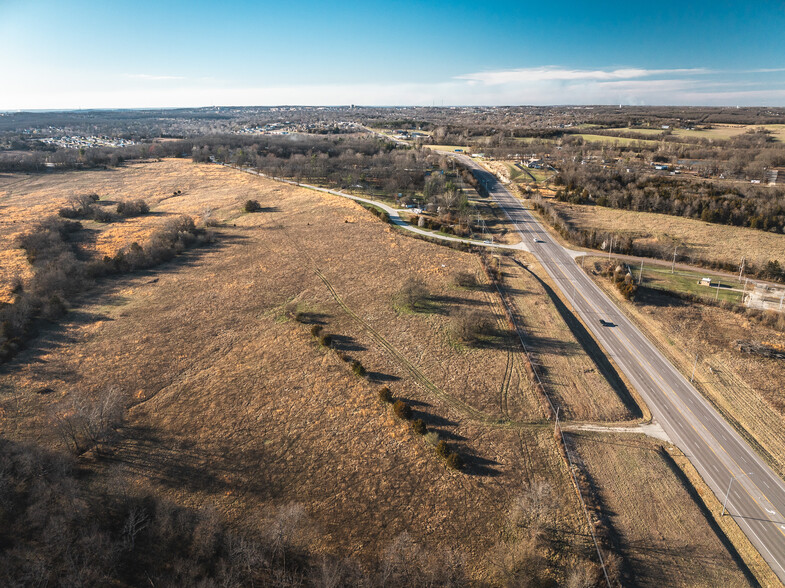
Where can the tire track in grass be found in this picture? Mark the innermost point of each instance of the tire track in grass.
(508, 370)
(415, 372)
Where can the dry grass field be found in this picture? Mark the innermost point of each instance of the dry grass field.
(24, 199)
(575, 372)
(709, 241)
(729, 131)
(746, 388)
(668, 539)
(235, 405)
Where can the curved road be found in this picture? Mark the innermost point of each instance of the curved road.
(756, 498)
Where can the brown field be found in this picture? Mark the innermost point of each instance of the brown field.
(574, 370)
(746, 388)
(24, 199)
(709, 241)
(666, 539)
(729, 131)
(235, 405)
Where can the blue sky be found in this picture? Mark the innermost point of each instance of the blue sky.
(111, 54)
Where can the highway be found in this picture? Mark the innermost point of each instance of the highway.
(755, 494)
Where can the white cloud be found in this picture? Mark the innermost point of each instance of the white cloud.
(152, 77)
(553, 73)
(538, 86)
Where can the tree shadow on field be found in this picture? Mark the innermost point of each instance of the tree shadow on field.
(47, 337)
(143, 452)
(658, 298)
(475, 465)
(590, 346)
(50, 335)
(447, 299)
(379, 377)
(315, 318)
(346, 343)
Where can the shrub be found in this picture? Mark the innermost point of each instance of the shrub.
(412, 295)
(315, 330)
(442, 449)
(402, 410)
(418, 426)
(385, 395)
(468, 326)
(358, 368)
(252, 206)
(102, 215)
(465, 280)
(341, 355)
(432, 438)
(325, 340)
(132, 208)
(455, 461)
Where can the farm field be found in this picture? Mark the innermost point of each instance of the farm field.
(208, 343)
(729, 131)
(640, 131)
(668, 539)
(700, 239)
(608, 139)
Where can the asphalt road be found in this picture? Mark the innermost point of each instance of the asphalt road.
(756, 498)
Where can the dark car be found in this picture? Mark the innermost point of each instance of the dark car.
(605, 323)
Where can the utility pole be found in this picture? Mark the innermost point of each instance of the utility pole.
(725, 502)
(640, 274)
(673, 265)
(717, 297)
(727, 493)
(556, 426)
(741, 269)
(610, 249)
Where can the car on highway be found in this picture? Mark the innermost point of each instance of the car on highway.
(605, 323)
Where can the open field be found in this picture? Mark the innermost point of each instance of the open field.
(666, 539)
(25, 199)
(573, 369)
(639, 130)
(720, 131)
(746, 389)
(235, 405)
(704, 240)
(608, 139)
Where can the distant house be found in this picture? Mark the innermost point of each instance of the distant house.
(705, 282)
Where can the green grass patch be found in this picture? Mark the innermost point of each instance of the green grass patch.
(607, 139)
(688, 282)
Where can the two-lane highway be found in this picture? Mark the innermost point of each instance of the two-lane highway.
(756, 498)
